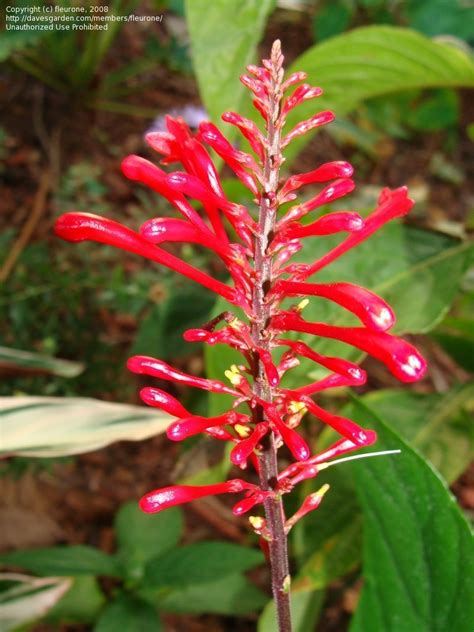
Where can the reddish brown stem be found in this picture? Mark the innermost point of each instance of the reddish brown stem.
(274, 511)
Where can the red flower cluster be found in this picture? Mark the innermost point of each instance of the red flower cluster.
(247, 247)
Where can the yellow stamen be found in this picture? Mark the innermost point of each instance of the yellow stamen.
(320, 493)
(257, 522)
(297, 407)
(242, 431)
(302, 304)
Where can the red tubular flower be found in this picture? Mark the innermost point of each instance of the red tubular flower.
(249, 130)
(144, 365)
(325, 225)
(84, 226)
(403, 360)
(160, 399)
(322, 118)
(392, 204)
(327, 171)
(332, 192)
(141, 170)
(254, 251)
(372, 311)
(160, 499)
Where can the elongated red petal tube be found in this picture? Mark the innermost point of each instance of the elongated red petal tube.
(372, 311)
(402, 358)
(160, 399)
(248, 129)
(146, 365)
(301, 93)
(344, 426)
(190, 426)
(322, 118)
(163, 229)
(84, 226)
(334, 191)
(325, 225)
(338, 365)
(160, 499)
(327, 171)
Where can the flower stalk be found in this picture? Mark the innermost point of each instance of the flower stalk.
(257, 249)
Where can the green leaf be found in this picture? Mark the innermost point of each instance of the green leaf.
(199, 563)
(27, 598)
(439, 17)
(17, 359)
(438, 424)
(305, 608)
(334, 557)
(141, 537)
(372, 61)
(224, 37)
(130, 614)
(418, 548)
(58, 426)
(439, 110)
(333, 18)
(63, 561)
(235, 595)
(80, 604)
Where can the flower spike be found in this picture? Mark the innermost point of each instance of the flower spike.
(254, 249)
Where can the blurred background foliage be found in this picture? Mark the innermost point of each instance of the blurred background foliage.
(399, 75)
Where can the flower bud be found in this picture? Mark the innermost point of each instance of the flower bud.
(160, 399)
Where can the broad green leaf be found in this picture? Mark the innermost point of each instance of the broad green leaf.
(63, 561)
(305, 608)
(376, 60)
(130, 614)
(327, 543)
(199, 563)
(141, 537)
(418, 548)
(55, 426)
(224, 37)
(17, 359)
(28, 598)
(81, 603)
(439, 425)
(234, 595)
(338, 554)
